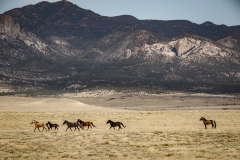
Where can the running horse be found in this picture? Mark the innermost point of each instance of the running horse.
(115, 124)
(207, 122)
(38, 125)
(50, 126)
(83, 124)
(70, 125)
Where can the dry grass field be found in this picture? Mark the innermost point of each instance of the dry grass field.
(152, 131)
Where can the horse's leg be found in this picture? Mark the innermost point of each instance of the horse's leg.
(66, 129)
(205, 126)
(39, 129)
(71, 129)
(119, 127)
(110, 127)
(35, 129)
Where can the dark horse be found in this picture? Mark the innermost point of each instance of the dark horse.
(83, 124)
(50, 126)
(115, 124)
(70, 125)
(207, 122)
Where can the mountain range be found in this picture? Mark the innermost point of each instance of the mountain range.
(63, 46)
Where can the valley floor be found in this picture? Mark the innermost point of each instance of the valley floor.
(157, 127)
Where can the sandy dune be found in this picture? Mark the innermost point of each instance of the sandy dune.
(45, 105)
(152, 131)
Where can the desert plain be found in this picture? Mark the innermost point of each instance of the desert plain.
(161, 126)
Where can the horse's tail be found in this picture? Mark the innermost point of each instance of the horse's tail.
(93, 124)
(123, 125)
(215, 124)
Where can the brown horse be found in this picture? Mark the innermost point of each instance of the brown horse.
(115, 124)
(38, 125)
(83, 124)
(207, 122)
(50, 126)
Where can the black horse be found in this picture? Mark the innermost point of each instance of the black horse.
(115, 124)
(70, 125)
(50, 126)
(207, 122)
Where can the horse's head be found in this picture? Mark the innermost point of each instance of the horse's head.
(109, 121)
(64, 122)
(79, 120)
(34, 122)
(202, 119)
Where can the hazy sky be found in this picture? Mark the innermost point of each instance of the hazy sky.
(197, 11)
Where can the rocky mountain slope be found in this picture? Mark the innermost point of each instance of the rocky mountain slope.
(64, 45)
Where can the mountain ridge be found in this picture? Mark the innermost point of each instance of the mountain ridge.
(61, 43)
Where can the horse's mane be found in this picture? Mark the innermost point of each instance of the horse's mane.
(79, 120)
(36, 121)
(203, 118)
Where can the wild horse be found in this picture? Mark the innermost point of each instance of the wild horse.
(83, 124)
(38, 125)
(71, 125)
(207, 122)
(115, 124)
(50, 126)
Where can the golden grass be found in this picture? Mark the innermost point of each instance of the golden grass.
(149, 135)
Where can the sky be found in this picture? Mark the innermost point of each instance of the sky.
(219, 12)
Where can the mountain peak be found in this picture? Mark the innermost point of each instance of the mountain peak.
(208, 24)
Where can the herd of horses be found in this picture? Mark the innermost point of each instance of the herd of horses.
(76, 125)
(81, 124)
